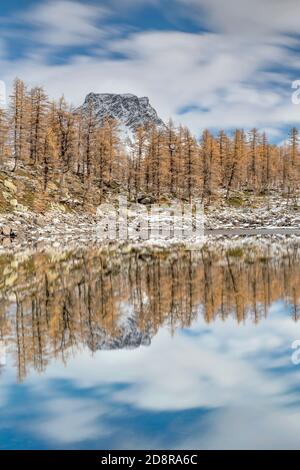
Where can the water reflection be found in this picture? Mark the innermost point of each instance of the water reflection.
(174, 347)
(52, 305)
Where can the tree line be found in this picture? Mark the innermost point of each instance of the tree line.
(57, 140)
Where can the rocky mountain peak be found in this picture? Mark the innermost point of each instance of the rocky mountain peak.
(132, 112)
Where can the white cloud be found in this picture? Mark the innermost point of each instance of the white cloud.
(66, 23)
(244, 17)
(241, 80)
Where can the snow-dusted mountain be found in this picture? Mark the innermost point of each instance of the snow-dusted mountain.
(132, 112)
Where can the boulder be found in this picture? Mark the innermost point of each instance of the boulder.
(146, 201)
(39, 221)
(10, 186)
(6, 231)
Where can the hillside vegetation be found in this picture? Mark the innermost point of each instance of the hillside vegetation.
(53, 156)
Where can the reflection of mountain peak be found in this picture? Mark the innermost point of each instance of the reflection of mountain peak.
(129, 337)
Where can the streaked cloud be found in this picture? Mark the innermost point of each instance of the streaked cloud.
(238, 66)
(65, 22)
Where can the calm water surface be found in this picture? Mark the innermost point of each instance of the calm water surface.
(153, 351)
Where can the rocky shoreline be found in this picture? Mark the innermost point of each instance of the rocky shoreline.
(21, 230)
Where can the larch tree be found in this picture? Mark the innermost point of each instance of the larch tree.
(254, 143)
(50, 155)
(236, 162)
(139, 149)
(90, 125)
(294, 163)
(189, 145)
(38, 111)
(223, 152)
(79, 145)
(19, 122)
(111, 132)
(207, 157)
(65, 135)
(101, 165)
(294, 146)
(171, 143)
(4, 126)
(265, 178)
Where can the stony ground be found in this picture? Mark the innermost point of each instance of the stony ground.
(23, 229)
(273, 213)
(29, 216)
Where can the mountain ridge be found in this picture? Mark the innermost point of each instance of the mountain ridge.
(130, 110)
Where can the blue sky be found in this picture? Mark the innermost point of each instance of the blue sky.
(206, 63)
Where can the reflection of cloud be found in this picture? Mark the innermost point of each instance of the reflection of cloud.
(206, 370)
(252, 427)
(70, 421)
(2, 354)
(241, 374)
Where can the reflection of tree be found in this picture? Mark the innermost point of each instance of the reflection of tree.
(53, 305)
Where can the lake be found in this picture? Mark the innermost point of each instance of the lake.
(151, 349)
